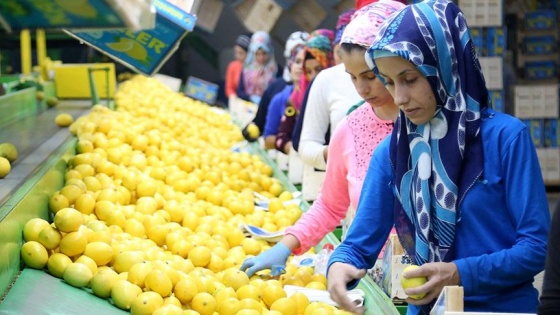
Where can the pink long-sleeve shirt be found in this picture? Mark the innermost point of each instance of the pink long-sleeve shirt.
(350, 150)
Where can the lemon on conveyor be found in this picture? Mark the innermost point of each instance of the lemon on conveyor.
(64, 120)
(5, 167)
(8, 151)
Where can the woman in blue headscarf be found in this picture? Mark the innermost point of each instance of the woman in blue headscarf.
(460, 181)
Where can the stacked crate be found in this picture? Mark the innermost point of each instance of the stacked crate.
(536, 99)
(485, 19)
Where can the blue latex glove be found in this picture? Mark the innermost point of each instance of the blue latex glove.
(276, 256)
(255, 99)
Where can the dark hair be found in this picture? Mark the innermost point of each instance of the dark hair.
(349, 47)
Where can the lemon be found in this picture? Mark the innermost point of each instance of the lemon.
(68, 220)
(247, 311)
(32, 228)
(302, 301)
(253, 131)
(34, 255)
(5, 167)
(272, 293)
(49, 237)
(284, 305)
(146, 303)
(52, 101)
(73, 244)
(90, 263)
(251, 246)
(57, 263)
(235, 278)
(77, 275)
(250, 304)
(170, 309)
(63, 119)
(102, 282)
(57, 202)
(123, 293)
(185, 290)
(200, 256)
(158, 281)
(408, 283)
(137, 273)
(85, 203)
(230, 305)
(248, 291)
(72, 192)
(8, 151)
(204, 303)
(100, 252)
(316, 285)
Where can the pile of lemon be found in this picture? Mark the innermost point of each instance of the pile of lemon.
(150, 212)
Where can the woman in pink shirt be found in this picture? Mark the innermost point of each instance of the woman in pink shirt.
(351, 146)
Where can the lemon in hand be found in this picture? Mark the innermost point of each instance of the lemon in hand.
(408, 283)
(253, 131)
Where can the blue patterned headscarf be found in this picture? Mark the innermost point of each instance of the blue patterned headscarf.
(436, 163)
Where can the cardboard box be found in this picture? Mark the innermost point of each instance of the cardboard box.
(147, 50)
(55, 14)
(388, 277)
(493, 73)
(482, 12)
(308, 14)
(259, 15)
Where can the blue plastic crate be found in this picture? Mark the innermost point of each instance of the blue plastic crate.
(533, 45)
(477, 36)
(540, 69)
(551, 133)
(497, 99)
(496, 41)
(540, 20)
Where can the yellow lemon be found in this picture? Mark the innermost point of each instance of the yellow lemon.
(285, 306)
(100, 252)
(230, 305)
(57, 202)
(102, 282)
(137, 273)
(123, 261)
(251, 246)
(123, 293)
(316, 285)
(8, 151)
(90, 263)
(200, 256)
(158, 281)
(272, 293)
(408, 283)
(85, 203)
(34, 255)
(185, 290)
(250, 304)
(57, 263)
(71, 192)
(73, 244)
(5, 167)
(235, 278)
(248, 291)
(32, 228)
(170, 309)
(63, 119)
(302, 301)
(77, 274)
(146, 303)
(204, 303)
(49, 237)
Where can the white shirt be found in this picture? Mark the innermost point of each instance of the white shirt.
(332, 94)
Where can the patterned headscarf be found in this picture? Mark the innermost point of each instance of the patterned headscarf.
(294, 40)
(365, 24)
(257, 77)
(324, 32)
(341, 23)
(319, 47)
(435, 163)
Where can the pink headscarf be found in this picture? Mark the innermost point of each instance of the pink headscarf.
(257, 77)
(362, 3)
(366, 21)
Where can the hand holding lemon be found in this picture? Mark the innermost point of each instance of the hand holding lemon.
(408, 283)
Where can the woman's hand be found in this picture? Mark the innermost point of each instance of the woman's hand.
(439, 275)
(339, 275)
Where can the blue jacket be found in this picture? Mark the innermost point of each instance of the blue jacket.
(276, 110)
(501, 236)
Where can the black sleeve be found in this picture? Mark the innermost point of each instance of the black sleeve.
(240, 90)
(550, 296)
(272, 89)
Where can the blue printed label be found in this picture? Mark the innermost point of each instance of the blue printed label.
(21, 14)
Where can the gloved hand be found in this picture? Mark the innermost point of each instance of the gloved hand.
(255, 99)
(275, 256)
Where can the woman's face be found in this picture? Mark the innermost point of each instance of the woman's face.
(410, 89)
(240, 53)
(296, 69)
(261, 56)
(312, 68)
(370, 88)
